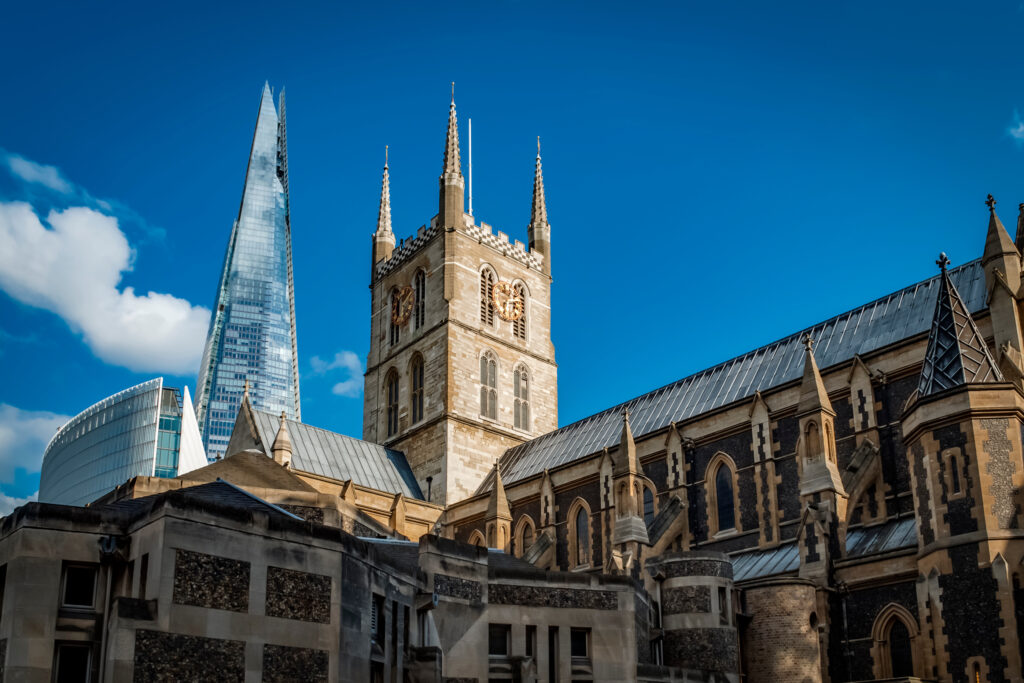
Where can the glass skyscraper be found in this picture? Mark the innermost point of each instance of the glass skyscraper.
(252, 330)
(147, 430)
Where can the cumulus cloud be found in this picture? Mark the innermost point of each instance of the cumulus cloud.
(1016, 131)
(346, 361)
(7, 503)
(72, 266)
(23, 438)
(31, 172)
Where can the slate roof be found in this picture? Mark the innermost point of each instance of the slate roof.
(219, 494)
(758, 564)
(890, 319)
(334, 455)
(893, 535)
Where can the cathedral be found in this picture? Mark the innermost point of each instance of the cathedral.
(841, 505)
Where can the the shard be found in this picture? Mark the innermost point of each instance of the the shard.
(251, 345)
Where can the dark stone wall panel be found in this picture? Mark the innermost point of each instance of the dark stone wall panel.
(707, 649)
(456, 587)
(298, 595)
(209, 581)
(686, 600)
(286, 664)
(172, 657)
(542, 596)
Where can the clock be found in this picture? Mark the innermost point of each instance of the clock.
(401, 305)
(507, 301)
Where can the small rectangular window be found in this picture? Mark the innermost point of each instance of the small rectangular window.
(723, 612)
(73, 663)
(377, 620)
(497, 639)
(579, 642)
(143, 575)
(79, 586)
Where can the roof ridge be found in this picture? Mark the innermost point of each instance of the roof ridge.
(322, 429)
(511, 455)
(797, 335)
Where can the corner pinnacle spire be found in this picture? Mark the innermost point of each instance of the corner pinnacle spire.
(451, 202)
(452, 167)
(625, 459)
(539, 230)
(384, 213)
(812, 389)
(497, 503)
(997, 240)
(957, 353)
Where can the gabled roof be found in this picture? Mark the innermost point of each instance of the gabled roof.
(882, 322)
(341, 457)
(219, 494)
(249, 469)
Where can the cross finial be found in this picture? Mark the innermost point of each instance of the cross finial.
(625, 414)
(385, 156)
(809, 343)
(990, 202)
(943, 261)
(245, 388)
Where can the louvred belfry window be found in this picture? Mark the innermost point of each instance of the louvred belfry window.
(519, 324)
(489, 386)
(486, 291)
(521, 390)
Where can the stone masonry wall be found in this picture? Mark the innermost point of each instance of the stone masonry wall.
(780, 643)
(173, 657)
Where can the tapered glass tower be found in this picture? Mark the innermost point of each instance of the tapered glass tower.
(252, 331)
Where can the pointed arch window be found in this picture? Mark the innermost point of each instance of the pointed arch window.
(486, 290)
(416, 395)
(477, 539)
(391, 389)
(893, 633)
(724, 496)
(579, 534)
(648, 506)
(420, 307)
(521, 391)
(395, 330)
(489, 386)
(525, 536)
(720, 489)
(519, 324)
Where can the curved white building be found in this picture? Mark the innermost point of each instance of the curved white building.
(148, 430)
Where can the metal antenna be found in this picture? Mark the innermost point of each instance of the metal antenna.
(471, 167)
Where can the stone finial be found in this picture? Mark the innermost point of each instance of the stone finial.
(282, 448)
(990, 202)
(942, 262)
(997, 240)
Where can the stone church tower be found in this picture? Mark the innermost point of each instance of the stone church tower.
(461, 365)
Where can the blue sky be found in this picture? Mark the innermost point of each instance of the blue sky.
(719, 175)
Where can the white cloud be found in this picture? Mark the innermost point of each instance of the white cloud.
(73, 268)
(1016, 131)
(7, 503)
(343, 360)
(23, 438)
(31, 172)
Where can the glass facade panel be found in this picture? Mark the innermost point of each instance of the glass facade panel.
(252, 331)
(137, 432)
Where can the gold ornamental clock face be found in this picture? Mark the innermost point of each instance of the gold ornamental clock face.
(401, 305)
(507, 301)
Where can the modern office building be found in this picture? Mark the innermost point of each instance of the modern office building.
(252, 331)
(148, 430)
